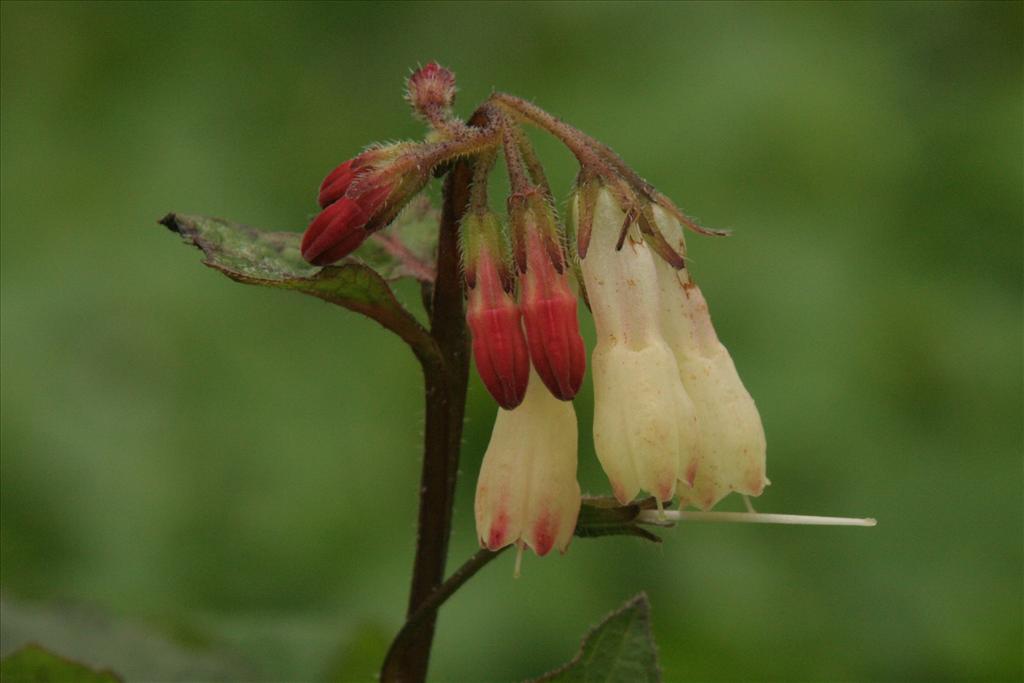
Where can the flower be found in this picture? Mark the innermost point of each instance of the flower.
(493, 316)
(731, 434)
(547, 300)
(645, 425)
(362, 196)
(527, 492)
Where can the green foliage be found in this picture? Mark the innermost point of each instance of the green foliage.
(620, 649)
(182, 449)
(33, 664)
(272, 259)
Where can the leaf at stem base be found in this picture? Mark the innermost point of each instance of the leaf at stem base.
(620, 649)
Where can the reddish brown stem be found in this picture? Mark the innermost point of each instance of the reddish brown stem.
(445, 408)
(598, 155)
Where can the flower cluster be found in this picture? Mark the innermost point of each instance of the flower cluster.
(671, 416)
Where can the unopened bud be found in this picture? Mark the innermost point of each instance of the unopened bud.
(338, 181)
(339, 229)
(547, 300)
(360, 197)
(527, 492)
(494, 318)
(431, 89)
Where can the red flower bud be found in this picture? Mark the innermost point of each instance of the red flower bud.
(338, 181)
(549, 315)
(499, 346)
(340, 228)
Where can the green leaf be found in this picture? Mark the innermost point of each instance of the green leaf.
(408, 248)
(273, 259)
(606, 517)
(618, 650)
(33, 664)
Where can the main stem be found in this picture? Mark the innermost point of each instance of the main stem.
(445, 408)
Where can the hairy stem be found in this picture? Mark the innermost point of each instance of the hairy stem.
(576, 141)
(482, 166)
(599, 155)
(407, 661)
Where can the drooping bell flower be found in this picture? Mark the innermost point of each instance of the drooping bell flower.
(645, 424)
(360, 197)
(493, 316)
(546, 297)
(527, 491)
(731, 434)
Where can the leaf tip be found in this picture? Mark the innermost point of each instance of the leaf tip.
(170, 221)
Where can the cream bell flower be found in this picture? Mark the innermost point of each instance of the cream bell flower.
(645, 425)
(527, 491)
(731, 435)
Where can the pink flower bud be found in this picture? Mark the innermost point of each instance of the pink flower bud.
(499, 347)
(548, 302)
(552, 328)
(338, 230)
(431, 87)
(527, 491)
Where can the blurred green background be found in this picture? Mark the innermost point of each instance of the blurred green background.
(206, 481)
